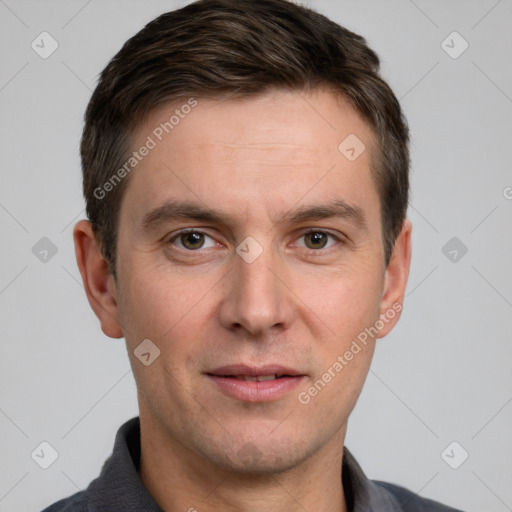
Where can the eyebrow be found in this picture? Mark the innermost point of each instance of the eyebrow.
(179, 209)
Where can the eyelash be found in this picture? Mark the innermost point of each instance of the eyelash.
(320, 250)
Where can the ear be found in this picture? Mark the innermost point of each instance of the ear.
(395, 280)
(99, 284)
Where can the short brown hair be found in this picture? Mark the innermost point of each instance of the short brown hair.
(237, 48)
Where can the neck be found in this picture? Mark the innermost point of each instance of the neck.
(179, 479)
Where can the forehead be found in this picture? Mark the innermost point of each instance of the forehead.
(308, 120)
(272, 148)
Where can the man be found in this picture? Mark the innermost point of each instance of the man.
(246, 179)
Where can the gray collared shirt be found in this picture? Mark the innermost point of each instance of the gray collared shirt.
(119, 488)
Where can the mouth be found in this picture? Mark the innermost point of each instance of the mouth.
(250, 378)
(255, 384)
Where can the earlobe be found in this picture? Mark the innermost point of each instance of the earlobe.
(99, 284)
(395, 280)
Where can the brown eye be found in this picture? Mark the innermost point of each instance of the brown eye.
(316, 239)
(192, 240)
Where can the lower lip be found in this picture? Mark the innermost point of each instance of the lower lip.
(256, 391)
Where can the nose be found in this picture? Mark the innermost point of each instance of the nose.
(256, 295)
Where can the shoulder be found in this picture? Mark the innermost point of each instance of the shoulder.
(74, 503)
(411, 502)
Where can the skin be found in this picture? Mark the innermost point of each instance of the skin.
(298, 304)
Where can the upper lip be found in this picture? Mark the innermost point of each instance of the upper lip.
(253, 371)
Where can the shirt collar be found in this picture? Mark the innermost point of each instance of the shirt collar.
(361, 493)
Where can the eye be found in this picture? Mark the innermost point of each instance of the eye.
(315, 239)
(191, 240)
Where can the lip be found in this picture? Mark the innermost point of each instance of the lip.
(224, 378)
(254, 371)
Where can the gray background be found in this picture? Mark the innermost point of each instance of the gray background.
(443, 375)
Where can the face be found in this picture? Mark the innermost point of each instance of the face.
(250, 248)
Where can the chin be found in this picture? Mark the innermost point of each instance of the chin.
(260, 457)
(261, 464)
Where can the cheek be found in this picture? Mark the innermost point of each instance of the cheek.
(348, 300)
(156, 303)
(345, 357)
(159, 307)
